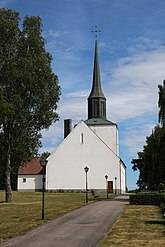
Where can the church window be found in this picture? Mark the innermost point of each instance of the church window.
(96, 113)
(81, 138)
(24, 180)
(102, 108)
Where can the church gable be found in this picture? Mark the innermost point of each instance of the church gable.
(81, 134)
(82, 147)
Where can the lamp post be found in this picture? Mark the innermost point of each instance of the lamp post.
(106, 178)
(43, 163)
(115, 185)
(86, 169)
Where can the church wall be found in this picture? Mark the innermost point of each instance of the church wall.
(109, 134)
(123, 177)
(65, 168)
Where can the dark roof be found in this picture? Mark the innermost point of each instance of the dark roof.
(31, 167)
(96, 86)
(98, 121)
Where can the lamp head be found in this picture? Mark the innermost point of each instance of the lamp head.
(43, 162)
(86, 169)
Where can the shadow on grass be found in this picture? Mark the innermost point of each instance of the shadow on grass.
(2, 202)
(121, 200)
(99, 198)
(155, 222)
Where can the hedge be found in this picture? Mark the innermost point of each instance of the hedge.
(162, 206)
(147, 199)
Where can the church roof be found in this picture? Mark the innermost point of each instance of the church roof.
(98, 121)
(96, 86)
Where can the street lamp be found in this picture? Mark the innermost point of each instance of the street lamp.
(115, 185)
(43, 163)
(106, 177)
(86, 169)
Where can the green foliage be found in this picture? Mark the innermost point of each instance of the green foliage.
(161, 103)
(45, 154)
(151, 162)
(29, 90)
(147, 199)
(162, 206)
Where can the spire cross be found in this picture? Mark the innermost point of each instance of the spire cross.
(96, 31)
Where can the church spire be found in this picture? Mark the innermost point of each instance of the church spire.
(96, 85)
(96, 99)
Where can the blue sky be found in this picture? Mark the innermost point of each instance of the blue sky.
(131, 56)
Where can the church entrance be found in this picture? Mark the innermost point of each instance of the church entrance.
(110, 186)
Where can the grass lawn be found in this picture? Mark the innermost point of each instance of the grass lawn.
(137, 226)
(24, 213)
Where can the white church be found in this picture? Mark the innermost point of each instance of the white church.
(92, 143)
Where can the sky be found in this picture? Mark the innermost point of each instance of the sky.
(131, 56)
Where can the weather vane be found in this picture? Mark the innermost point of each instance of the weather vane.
(96, 31)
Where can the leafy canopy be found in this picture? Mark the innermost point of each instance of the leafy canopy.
(29, 90)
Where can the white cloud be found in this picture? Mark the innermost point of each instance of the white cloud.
(134, 137)
(73, 107)
(133, 87)
(56, 34)
(143, 44)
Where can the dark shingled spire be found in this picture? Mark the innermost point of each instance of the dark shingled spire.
(96, 87)
(96, 99)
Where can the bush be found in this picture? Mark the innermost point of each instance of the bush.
(147, 199)
(162, 206)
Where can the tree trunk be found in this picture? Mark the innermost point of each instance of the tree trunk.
(8, 174)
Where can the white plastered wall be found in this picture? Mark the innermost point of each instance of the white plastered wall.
(109, 134)
(30, 182)
(123, 177)
(82, 147)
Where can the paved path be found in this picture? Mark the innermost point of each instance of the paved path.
(84, 227)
